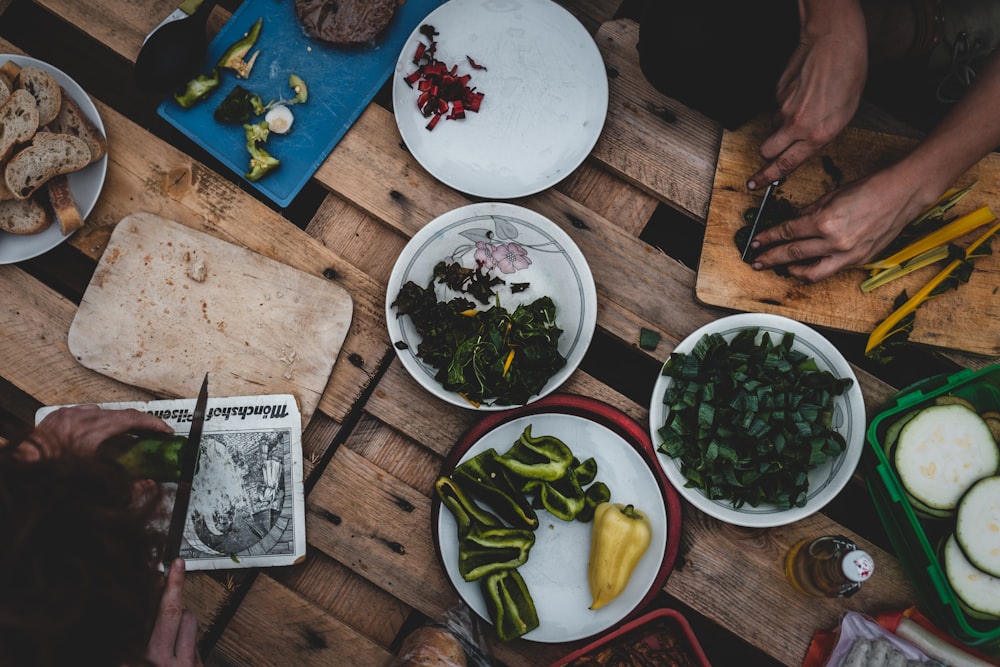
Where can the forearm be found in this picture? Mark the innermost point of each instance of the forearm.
(969, 132)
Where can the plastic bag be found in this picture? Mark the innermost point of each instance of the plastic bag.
(454, 640)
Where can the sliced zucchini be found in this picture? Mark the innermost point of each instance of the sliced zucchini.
(892, 432)
(942, 451)
(976, 589)
(977, 526)
(925, 511)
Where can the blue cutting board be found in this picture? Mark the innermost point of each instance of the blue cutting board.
(341, 83)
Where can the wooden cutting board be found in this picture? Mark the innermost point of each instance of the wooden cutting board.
(967, 319)
(168, 303)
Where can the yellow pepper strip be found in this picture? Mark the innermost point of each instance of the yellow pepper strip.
(881, 332)
(507, 362)
(471, 312)
(925, 258)
(473, 403)
(949, 232)
(944, 203)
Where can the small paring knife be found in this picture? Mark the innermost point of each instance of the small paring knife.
(753, 229)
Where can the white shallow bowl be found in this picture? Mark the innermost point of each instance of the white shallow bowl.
(85, 184)
(558, 270)
(825, 480)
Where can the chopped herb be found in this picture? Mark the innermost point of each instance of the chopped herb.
(749, 420)
(648, 339)
(476, 282)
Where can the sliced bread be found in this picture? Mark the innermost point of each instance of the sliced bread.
(18, 121)
(9, 70)
(44, 88)
(23, 216)
(64, 207)
(5, 192)
(5, 89)
(72, 120)
(49, 155)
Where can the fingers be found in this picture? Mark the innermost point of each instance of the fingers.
(166, 629)
(186, 646)
(788, 154)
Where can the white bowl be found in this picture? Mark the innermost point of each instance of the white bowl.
(557, 269)
(825, 480)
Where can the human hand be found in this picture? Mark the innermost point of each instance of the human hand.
(82, 428)
(175, 632)
(820, 89)
(845, 228)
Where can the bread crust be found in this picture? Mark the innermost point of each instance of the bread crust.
(48, 156)
(430, 646)
(23, 216)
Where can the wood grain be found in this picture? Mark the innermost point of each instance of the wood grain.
(967, 319)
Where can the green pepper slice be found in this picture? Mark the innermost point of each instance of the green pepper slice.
(484, 551)
(586, 472)
(466, 512)
(485, 478)
(237, 106)
(198, 89)
(596, 493)
(261, 162)
(564, 497)
(544, 458)
(154, 457)
(509, 604)
(234, 57)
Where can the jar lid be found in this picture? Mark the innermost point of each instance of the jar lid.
(858, 565)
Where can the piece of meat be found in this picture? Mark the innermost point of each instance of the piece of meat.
(345, 22)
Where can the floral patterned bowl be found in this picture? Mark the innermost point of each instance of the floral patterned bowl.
(516, 245)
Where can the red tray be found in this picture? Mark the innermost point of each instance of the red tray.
(644, 628)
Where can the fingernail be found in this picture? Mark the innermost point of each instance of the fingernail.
(751, 185)
(757, 266)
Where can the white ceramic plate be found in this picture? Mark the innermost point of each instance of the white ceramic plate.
(86, 184)
(546, 97)
(556, 570)
(557, 270)
(827, 479)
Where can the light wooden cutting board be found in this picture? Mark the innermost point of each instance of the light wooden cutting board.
(168, 303)
(967, 319)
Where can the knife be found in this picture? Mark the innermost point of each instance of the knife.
(753, 229)
(184, 9)
(189, 459)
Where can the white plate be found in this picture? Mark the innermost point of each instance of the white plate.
(86, 183)
(557, 270)
(827, 479)
(546, 97)
(556, 570)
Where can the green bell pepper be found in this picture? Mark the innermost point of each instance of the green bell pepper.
(261, 162)
(485, 551)
(234, 57)
(596, 493)
(564, 497)
(154, 457)
(198, 89)
(509, 604)
(466, 512)
(485, 478)
(545, 458)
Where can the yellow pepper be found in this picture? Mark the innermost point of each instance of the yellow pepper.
(620, 536)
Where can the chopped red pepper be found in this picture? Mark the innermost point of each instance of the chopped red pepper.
(443, 91)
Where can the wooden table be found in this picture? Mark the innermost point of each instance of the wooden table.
(376, 443)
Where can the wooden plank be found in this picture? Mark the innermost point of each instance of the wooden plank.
(650, 140)
(273, 623)
(595, 188)
(967, 319)
(748, 591)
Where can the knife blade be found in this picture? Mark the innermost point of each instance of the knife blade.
(189, 460)
(184, 9)
(753, 228)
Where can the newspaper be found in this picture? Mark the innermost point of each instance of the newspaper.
(247, 506)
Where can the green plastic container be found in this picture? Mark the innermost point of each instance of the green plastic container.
(916, 540)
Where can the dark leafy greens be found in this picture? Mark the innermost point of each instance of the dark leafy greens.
(749, 420)
(490, 355)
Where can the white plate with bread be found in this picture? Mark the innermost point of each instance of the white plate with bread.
(53, 157)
